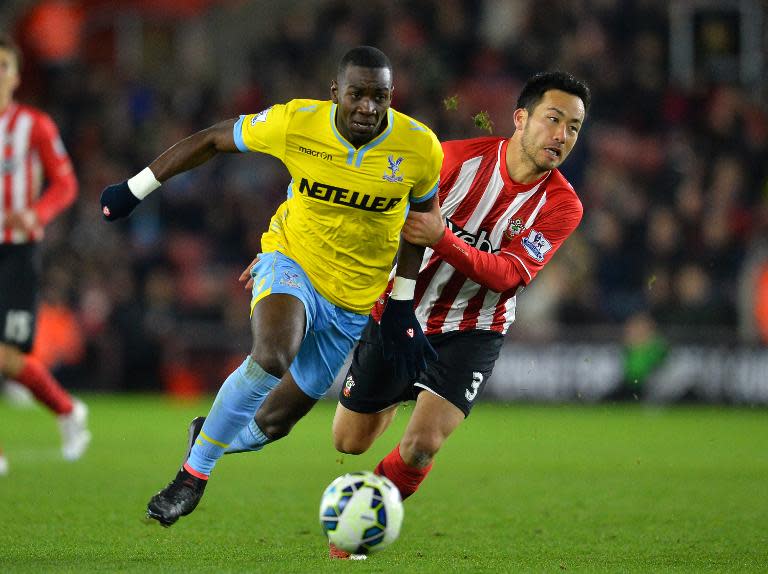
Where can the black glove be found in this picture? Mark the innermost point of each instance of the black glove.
(403, 341)
(117, 201)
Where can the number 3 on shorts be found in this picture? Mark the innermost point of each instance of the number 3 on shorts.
(18, 326)
(477, 380)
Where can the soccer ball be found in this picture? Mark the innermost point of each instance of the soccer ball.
(361, 512)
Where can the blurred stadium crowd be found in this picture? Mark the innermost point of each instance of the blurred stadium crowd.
(672, 169)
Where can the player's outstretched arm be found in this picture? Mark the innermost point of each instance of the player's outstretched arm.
(403, 340)
(119, 200)
(491, 270)
(500, 271)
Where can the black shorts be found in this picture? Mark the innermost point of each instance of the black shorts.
(464, 365)
(19, 281)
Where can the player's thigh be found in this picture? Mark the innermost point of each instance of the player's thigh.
(325, 348)
(354, 433)
(282, 310)
(19, 281)
(11, 361)
(370, 385)
(277, 327)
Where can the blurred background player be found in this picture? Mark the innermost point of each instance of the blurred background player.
(32, 155)
(356, 166)
(508, 209)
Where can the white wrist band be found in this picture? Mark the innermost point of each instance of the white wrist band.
(143, 183)
(403, 289)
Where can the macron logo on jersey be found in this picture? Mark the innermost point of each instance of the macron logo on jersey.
(314, 153)
(536, 245)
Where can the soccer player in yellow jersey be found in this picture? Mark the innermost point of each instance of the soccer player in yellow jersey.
(357, 166)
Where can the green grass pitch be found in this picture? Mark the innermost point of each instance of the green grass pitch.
(518, 488)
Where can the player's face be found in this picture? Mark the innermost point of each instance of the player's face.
(363, 96)
(9, 74)
(550, 131)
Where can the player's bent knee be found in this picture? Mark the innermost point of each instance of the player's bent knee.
(275, 425)
(274, 361)
(351, 445)
(275, 431)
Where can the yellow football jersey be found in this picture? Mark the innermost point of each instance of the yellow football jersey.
(346, 205)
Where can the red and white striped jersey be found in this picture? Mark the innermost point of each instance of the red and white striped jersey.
(500, 233)
(31, 153)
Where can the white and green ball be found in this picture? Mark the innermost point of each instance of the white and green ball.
(361, 512)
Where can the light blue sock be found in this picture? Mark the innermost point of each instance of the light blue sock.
(232, 411)
(249, 439)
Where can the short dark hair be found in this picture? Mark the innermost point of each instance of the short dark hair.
(366, 57)
(542, 82)
(7, 43)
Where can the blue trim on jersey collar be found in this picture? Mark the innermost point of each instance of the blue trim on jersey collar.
(351, 150)
(381, 137)
(237, 134)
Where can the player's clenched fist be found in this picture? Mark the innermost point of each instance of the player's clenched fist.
(425, 228)
(117, 201)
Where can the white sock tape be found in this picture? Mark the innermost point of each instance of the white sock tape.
(403, 289)
(143, 183)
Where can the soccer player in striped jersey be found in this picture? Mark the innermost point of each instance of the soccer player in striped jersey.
(356, 165)
(505, 209)
(37, 183)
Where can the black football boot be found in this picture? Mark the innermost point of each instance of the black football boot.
(183, 493)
